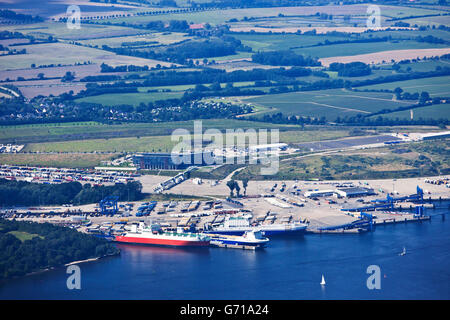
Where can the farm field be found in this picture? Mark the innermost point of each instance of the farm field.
(146, 39)
(386, 56)
(31, 90)
(436, 86)
(88, 31)
(424, 65)
(221, 16)
(328, 103)
(51, 72)
(183, 88)
(267, 42)
(50, 8)
(62, 53)
(436, 21)
(352, 49)
(438, 111)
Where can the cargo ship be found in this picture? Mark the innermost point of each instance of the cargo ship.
(153, 235)
(239, 225)
(250, 240)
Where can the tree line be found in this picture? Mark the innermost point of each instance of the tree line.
(16, 193)
(284, 58)
(49, 246)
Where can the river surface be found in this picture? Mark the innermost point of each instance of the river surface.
(290, 268)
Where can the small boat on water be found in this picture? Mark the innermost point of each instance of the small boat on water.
(323, 281)
(252, 240)
(403, 252)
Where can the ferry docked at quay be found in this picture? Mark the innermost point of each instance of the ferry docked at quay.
(153, 235)
(240, 225)
(250, 240)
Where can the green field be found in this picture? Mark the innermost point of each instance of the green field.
(416, 159)
(130, 98)
(221, 16)
(267, 42)
(141, 144)
(23, 236)
(436, 112)
(425, 21)
(164, 143)
(56, 160)
(436, 86)
(91, 130)
(424, 65)
(328, 103)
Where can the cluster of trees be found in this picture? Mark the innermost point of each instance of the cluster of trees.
(25, 18)
(180, 53)
(431, 39)
(359, 120)
(126, 68)
(174, 110)
(101, 77)
(173, 25)
(15, 105)
(69, 76)
(11, 51)
(27, 193)
(201, 91)
(234, 185)
(280, 118)
(162, 110)
(251, 4)
(50, 246)
(170, 77)
(283, 58)
(403, 76)
(352, 69)
(5, 34)
(423, 97)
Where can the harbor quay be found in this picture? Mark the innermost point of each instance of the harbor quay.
(325, 206)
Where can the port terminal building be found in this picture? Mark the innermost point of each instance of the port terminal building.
(353, 192)
(172, 161)
(350, 192)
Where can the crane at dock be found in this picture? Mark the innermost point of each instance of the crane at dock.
(108, 205)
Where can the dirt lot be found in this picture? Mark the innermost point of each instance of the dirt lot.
(386, 56)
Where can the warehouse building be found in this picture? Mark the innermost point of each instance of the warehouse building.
(438, 135)
(319, 193)
(268, 147)
(172, 161)
(355, 192)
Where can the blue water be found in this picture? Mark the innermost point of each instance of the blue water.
(290, 268)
